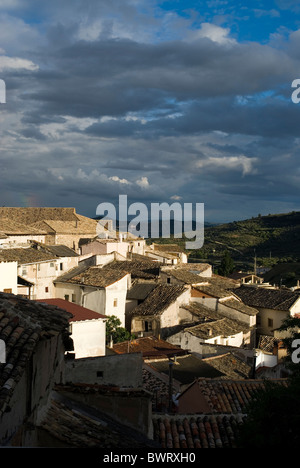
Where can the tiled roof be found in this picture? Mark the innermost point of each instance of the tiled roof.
(159, 300)
(217, 286)
(25, 256)
(226, 396)
(11, 227)
(78, 312)
(267, 343)
(230, 365)
(74, 425)
(183, 275)
(50, 219)
(193, 432)
(139, 291)
(143, 269)
(240, 306)
(277, 299)
(196, 268)
(96, 276)
(28, 215)
(22, 324)
(149, 346)
(158, 385)
(56, 250)
(207, 323)
(222, 326)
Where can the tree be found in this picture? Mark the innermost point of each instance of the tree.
(227, 265)
(115, 332)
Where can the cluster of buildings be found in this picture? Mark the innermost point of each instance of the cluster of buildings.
(201, 344)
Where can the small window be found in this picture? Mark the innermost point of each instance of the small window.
(51, 265)
(115, 302)
(39, 267)
(270, 322)
(61, 266)
(24, 271)
(46, 289)
(99, 373)
(73, 297)
(168, 279)
(148, 326)
(67, 297)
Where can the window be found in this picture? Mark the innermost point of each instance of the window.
(73, 297)
(67, 297)
(51, 265)
(46, 289)
(39, 267)
(24, 271)
(115, 302)
(169, 280)
(61, 266)
(147, 326)
(99, 373)
(270, 322)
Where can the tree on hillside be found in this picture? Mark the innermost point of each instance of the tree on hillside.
(115, 332)
(227, 265)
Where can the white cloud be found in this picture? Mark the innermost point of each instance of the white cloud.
(229, 162)
(213, 32)
(143, 182)
(121, 181)
(15, 63)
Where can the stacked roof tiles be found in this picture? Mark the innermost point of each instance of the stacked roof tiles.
(22, 324)
(195, 432)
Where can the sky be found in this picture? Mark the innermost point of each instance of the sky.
(160, 100)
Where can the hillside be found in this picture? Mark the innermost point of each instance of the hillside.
(271, 238)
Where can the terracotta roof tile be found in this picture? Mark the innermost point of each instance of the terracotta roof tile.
(193, 432)
(22, 324)
(78, 312)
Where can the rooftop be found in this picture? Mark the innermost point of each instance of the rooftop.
(149, 347)
(25, 255)
(23, 323)
(78, 312)
(95, 276)
(198, 431)
(159, 299)
(224, 396)
(74, 425)
(277, 299)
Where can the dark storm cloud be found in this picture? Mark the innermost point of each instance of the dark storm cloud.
(104, 105)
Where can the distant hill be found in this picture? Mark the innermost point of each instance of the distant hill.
(270, 238)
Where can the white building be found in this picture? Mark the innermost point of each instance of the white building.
(8, 277)
(39, 268)
(100, 289)
(88, 329)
